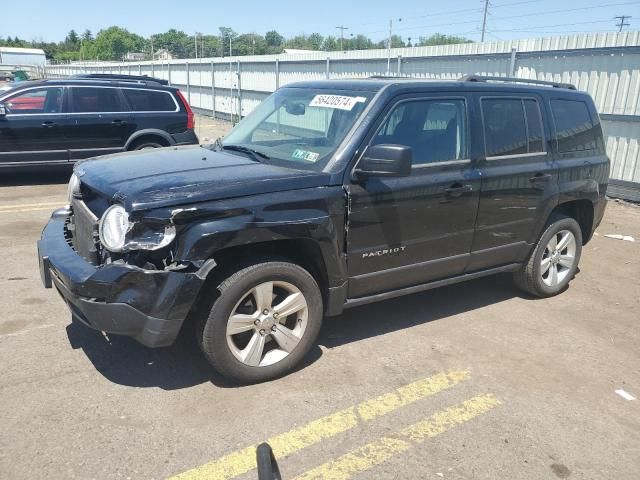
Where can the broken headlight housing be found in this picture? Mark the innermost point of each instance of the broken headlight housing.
(119, 234)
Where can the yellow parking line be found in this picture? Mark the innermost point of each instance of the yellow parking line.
(41, 209)
(244, 460)
(30, 207)
(375, 453)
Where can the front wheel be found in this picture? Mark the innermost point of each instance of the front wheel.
(264, 321)
(554, 260)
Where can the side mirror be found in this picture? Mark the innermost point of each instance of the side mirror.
(385, 161)
(3, 110)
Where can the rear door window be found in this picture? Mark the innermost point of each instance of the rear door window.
(575, 130)
(96, 100)
(512, 126)
(535, 133)
(149, 100)
(505, 128)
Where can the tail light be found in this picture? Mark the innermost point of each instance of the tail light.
(190, 117)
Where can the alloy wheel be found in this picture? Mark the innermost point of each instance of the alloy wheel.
(558, 258)
(267, 324)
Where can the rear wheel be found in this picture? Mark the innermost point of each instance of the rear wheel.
(264, 321)
(554, 260)
(145, 144)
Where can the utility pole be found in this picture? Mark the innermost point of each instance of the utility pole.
(389, 46)
(196, 42)
(622, 23)
(484, 19)
(342, 28)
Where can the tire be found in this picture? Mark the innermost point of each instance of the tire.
(535, 277)
(286, 337)
(145, 144)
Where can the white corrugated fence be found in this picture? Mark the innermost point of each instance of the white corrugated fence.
(607, 65)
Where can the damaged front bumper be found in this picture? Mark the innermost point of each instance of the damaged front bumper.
(149, 305)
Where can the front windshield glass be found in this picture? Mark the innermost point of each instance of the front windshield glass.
(297, 127)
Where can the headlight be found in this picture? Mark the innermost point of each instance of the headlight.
(118, 234)
(113, 228)
(73, 187)
(147, 237)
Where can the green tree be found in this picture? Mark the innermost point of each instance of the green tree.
(114, 43)
(441, 39)
(360, 42)
(87, 36)
(227, 37)
(274, 39)
(249, 44)
(330, 44)
(208, 45)
(72, 41)
(315, 41)
(175, 41)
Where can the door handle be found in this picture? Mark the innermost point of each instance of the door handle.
(48, 124)
(119, 122)
(457, 189)
(540, 177)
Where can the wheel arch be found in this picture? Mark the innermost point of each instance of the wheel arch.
(582, 211)
(303, 252)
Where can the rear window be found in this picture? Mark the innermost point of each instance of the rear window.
(96, 100)
(575, 130)
(149, 101)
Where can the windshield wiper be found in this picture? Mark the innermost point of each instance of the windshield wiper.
(257, 155)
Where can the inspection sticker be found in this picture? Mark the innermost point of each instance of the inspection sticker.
(305, 155)
(340, 102)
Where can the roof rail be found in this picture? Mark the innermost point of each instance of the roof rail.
(387, 77)
(482, 78)
(125, 78)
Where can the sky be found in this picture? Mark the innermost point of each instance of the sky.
(50, 20)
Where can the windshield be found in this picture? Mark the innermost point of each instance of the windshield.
(299, 127)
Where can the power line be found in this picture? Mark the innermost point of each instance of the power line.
(427, 26)
(622, 23)
(408, 17)
(529, 29)
(564, 10)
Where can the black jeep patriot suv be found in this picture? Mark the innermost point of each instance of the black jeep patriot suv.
(329, 195)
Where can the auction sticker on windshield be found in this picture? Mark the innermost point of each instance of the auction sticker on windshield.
(340, 102)
(305, 155)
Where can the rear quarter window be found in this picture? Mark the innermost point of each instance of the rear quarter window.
(575, 129)
(150, 101)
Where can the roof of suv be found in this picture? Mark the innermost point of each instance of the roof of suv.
(465, 83)
(100, 81)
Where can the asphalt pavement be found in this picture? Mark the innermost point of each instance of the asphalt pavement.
(469, 381)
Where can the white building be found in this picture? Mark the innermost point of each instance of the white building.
(134, 57)
(163, 54)
(22, 57)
